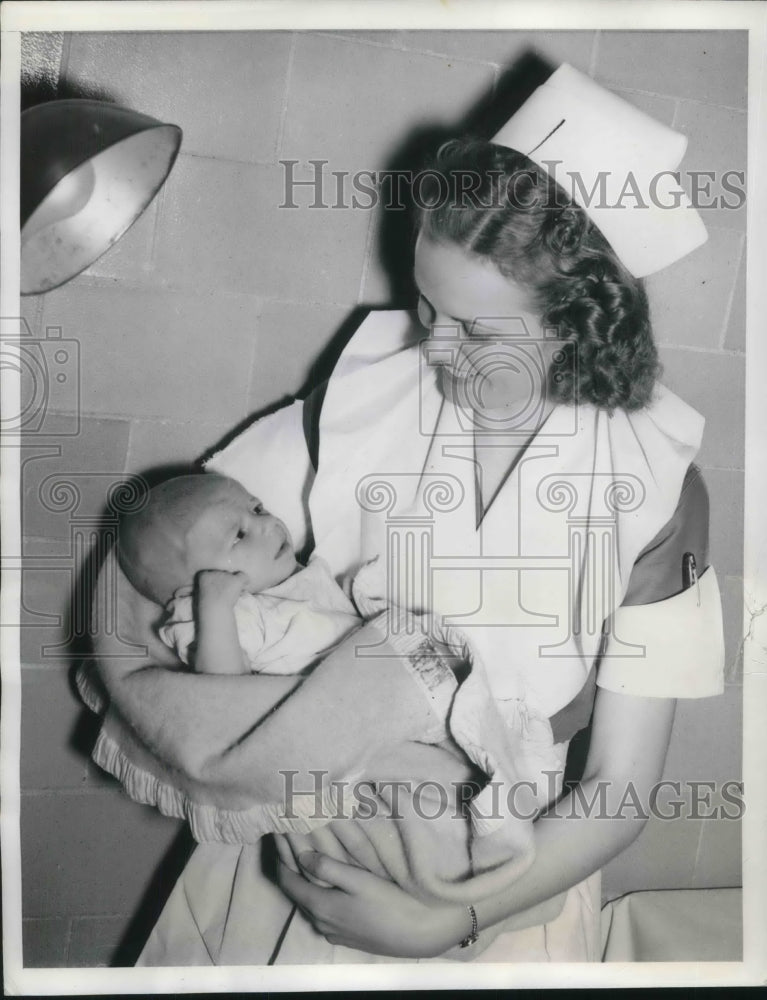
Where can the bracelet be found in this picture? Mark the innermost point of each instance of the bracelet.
(473, 935)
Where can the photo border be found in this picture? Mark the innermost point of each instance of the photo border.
(455, 15)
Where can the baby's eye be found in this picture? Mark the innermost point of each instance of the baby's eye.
(258, 507)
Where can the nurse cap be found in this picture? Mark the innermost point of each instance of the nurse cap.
(572, 127)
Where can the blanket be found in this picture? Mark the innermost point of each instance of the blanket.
(490, 852)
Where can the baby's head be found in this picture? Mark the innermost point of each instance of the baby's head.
(201, 522)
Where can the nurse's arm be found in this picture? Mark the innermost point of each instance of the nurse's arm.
(630, 735)
(234, 736)
(597, 819)
(573, 839)
(173, 712)
(576, 837)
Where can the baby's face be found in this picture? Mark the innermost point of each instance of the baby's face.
(236, 534)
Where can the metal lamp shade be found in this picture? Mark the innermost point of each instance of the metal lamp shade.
(88, 171)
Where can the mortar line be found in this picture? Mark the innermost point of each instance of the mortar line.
(712, 104)
(594, 57)
(731, 296)
(433, 53)
(128, 446)
(254, 351)
(366, 258)
(694, 349)
(66, 42)
(68, 939)
(285, 97)
(675, 116)
(159, 210)
(190, 154)
(73, 791)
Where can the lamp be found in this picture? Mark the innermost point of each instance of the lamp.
(88, 171)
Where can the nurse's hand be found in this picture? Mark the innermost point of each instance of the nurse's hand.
(364, 911)
(342, 840)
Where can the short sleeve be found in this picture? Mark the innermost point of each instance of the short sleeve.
(666, 640)
(178, 629)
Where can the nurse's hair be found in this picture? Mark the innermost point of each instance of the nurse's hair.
(497, 204)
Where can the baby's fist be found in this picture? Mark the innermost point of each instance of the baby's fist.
(220, 586)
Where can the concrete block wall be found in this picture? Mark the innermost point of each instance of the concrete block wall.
(217, 304)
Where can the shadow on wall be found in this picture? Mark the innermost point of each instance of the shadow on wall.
(397, 229)
(80, 628)
(42, 91)
(482, 121)
(78, 625)
(148, 913)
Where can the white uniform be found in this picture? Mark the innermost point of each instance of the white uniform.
(532, 584)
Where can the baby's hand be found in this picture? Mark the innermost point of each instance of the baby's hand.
(218, 586)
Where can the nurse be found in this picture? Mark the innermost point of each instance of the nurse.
(522, 473)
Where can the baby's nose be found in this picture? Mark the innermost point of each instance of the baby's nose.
(269, 523)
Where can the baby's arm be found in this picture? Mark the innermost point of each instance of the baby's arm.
(218, 645)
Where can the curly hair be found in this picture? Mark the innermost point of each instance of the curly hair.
(511, 211)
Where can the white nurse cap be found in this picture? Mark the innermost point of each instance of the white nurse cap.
(616, 162)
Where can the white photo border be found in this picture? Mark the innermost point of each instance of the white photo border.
(455, 15)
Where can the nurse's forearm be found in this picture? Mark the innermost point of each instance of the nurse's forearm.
(627, 752)
(181, 717)
(570, 846)
(347, 710)
(223, 733)
(185, 718)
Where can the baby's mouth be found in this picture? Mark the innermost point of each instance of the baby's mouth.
(282, 548)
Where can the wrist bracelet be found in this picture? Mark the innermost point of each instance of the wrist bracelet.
(473, 935)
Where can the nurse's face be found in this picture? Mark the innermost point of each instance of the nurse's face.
(485, 336)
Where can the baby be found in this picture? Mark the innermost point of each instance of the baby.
(238, 601)
(203, 544)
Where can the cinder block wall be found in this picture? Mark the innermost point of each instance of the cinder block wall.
(217, 303)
